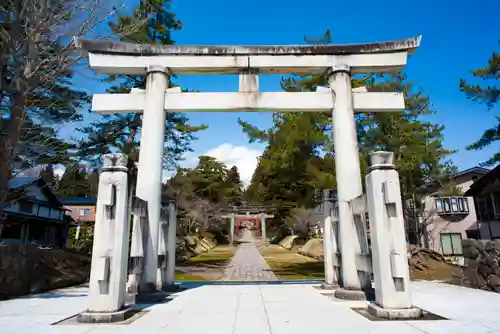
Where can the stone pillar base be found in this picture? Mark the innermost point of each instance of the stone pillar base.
(104, 317)
(172, 288)
(394, 314)
(326, 286)
(350, 294)
(146, 298)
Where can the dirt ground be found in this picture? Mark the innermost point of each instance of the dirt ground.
(431, 266)
(28, 269)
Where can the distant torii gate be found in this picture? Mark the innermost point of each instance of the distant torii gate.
(235, 220)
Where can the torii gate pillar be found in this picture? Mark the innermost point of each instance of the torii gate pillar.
(150, 168)
(348, 173)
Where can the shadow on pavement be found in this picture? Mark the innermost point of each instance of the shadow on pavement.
(55, 294)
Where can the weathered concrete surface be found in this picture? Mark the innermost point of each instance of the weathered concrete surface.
(408, 44)
(263, 309)
(247, 263)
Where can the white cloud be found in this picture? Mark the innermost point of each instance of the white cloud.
(59, 171)
(243, 157)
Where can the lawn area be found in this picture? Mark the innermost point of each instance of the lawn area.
(288, 265)
(181, 276)
(217, 256)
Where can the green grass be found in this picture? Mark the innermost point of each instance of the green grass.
(217, 256)
(287, 265)
(286, 271)
(181, 276)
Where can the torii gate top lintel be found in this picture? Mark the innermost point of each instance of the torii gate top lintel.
(135, 59)
(407, 44)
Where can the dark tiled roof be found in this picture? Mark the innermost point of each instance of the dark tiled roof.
(78, 200)
(18, 182)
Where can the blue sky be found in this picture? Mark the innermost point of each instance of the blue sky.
(457, 36)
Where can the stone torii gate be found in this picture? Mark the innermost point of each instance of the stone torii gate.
(338, 62)
(235, 219)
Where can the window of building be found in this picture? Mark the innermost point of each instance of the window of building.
(452, 205)
(84, 212)
(451, 243)
(25, 206)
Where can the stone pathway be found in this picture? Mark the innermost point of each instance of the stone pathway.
(247, 264)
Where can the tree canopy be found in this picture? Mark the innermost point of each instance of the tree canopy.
(151, 23)
(299, 159)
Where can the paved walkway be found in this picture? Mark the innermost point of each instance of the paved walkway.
(247, 264)
(259, 309)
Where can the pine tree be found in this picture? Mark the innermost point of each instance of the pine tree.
(151, 23)
(490, 95)
(208, 179)
(47, 174)
(234, 186)
(74, 182)
(417, 144)
(93, 180)
(292, 168)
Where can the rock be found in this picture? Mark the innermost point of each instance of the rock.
(481, 282)
(496, 268)
(484, 270)
(491, 260)
(470, 252)
(313, 248)
(494, 283)
(490, 247)
(482, 258)
(480, 245)
(288, 242)
(466, 243)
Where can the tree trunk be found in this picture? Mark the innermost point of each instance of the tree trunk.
(8, 144)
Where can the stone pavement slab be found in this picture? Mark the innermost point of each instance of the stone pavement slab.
(247, 263)
(260, 309)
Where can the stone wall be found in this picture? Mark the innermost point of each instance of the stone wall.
(482, 268)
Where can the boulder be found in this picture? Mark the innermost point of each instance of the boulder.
(288, 242)
(494, 283)
(313, 248)
(470, 252)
